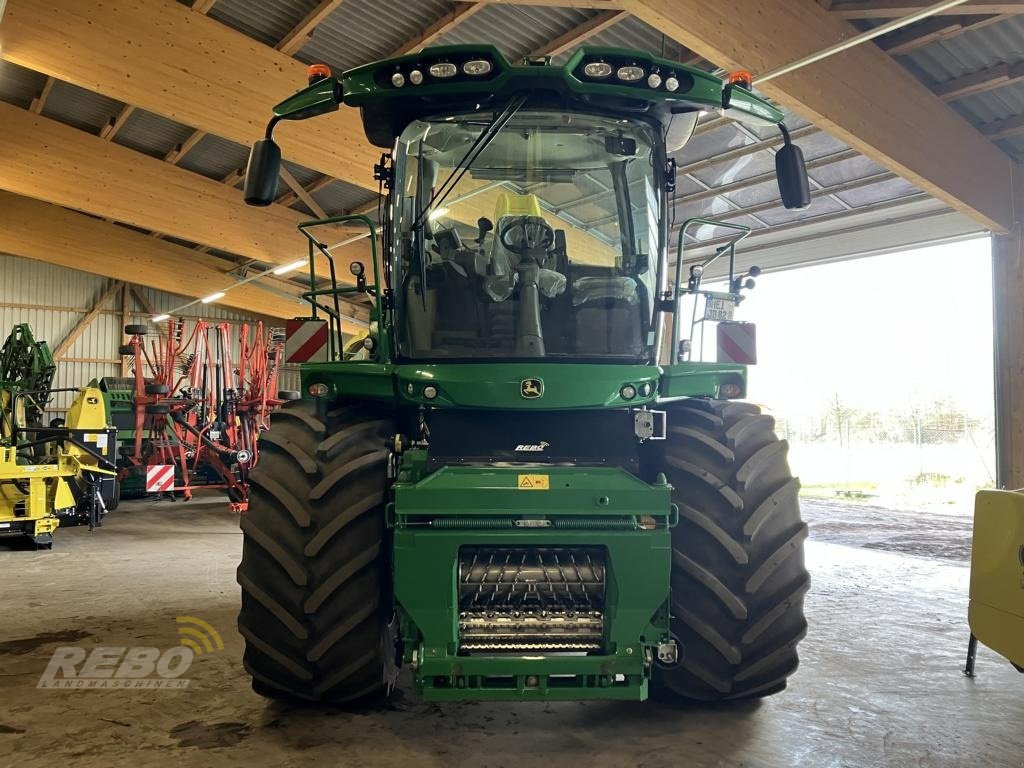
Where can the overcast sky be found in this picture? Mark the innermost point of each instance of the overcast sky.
(881, 331)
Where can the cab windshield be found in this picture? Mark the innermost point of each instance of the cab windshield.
(535, 236)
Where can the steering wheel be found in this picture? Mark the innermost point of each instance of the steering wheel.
(522, 234)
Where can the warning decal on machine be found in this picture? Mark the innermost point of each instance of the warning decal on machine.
(306, 341)
(737, 343)
(159, 477)
(533, 483)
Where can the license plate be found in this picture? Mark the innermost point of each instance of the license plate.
(719, 309)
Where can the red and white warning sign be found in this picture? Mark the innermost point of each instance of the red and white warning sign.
(159, 477)
(737, 343)
(305, 341)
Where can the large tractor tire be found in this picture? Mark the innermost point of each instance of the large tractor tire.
(738, 576)
(316, 596)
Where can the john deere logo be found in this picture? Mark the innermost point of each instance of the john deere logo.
(531, 388)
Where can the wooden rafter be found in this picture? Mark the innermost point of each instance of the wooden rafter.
(290, 197)
(202, 6)
(442, 26)
(979, 82)
(933, 30)
(599, 5)
(1004, 129)
(299, 35)
(180, 150)
(302, 194)
(86, 320)
(116, 123)
(890, 9)
(580, 33)
(40, 101)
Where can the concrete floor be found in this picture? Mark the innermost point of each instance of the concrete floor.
(879, 685)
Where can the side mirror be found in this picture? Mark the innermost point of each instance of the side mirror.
(262, 173)
(792, 176)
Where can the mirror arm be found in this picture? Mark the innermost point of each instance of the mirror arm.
(270, 127)
(785, 134)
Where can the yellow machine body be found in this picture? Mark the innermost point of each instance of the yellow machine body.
(35, 489)
(996, 612)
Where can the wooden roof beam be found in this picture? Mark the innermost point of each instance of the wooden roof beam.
(300, 34)
(37, 230)
(211, 77)
(894, 9)
(862, 97)
(108, 180)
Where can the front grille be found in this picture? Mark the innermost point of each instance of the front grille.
(531, 598)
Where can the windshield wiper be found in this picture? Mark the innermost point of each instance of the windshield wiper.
(487, 135)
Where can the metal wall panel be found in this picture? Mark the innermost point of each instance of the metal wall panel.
(53, 299)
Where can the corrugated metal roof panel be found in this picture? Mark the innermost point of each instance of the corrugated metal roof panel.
(970, 52)
(998, 104)
(215, 157)
(19, 85)
(79, 107)
(361, 31)
(339, 196)
(516, 30)
(631, 32)
(822, 205)
(152, 134)
(266, 20)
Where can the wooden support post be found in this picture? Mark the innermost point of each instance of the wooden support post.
(126, 317)
(1008, 333)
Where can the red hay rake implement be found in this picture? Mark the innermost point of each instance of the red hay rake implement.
(199, 410)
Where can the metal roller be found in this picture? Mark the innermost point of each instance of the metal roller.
(532, 578)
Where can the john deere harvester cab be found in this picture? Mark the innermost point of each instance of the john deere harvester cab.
(527, 484)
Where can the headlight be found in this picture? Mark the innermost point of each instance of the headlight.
(430, 391)
(654, 80)
(398, 79)
(443, 70)
(628, 392)
(415, 77)
(318, 390)
(671, 83)
(597, 69)
(630, 74)
(477, 67)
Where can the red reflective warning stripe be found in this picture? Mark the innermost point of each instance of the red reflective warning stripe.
(160, 477)
(735, 352)
(310, 348)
